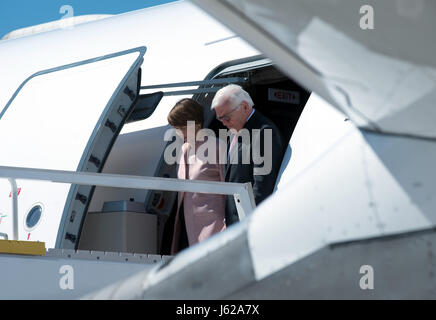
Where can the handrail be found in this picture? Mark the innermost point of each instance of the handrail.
(14, 196)
(197, 83)
(242, 192)
(210, 82)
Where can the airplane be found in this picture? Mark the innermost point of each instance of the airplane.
(353, 211)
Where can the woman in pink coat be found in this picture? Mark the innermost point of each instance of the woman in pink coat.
(199, 215)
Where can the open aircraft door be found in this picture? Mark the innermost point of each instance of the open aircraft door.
(65, 118)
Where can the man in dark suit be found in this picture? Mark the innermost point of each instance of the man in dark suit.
(256, 149)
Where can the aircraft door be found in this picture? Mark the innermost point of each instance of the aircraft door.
(65, 118)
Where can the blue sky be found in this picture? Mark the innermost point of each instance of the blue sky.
(16, 14)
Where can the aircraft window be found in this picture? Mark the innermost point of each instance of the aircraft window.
(33, 216)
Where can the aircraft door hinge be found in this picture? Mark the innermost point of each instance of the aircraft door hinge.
(95, 161)
(71, 237)
(111, 126)
(81, 198)
(130, 93)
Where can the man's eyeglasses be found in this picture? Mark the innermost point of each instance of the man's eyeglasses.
(226, 117)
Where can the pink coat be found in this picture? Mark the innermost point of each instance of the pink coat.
(204, 213)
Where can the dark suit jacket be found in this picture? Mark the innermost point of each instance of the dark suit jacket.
(263, 185)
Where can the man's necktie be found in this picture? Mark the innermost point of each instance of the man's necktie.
(232, 144)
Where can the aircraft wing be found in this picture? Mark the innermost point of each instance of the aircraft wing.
(374, 61)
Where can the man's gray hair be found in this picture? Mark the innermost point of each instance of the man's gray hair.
(232, 93)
